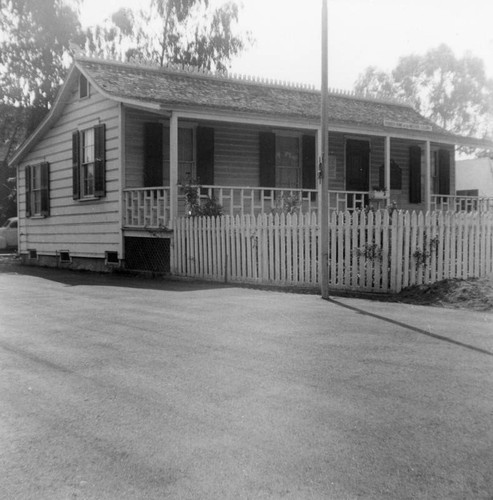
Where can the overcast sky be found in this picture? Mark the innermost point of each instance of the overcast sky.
(361, 33)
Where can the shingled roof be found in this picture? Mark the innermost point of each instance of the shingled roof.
(168, 89)
(172, 88)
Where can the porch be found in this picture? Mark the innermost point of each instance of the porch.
(150, 208)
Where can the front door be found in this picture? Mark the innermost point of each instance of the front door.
(357, 165)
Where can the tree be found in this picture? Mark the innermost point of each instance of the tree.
(34, 42)
(12, 125)
(453, 92)
(33, 52)
(183, 32)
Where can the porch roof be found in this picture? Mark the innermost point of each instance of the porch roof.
(180, 89)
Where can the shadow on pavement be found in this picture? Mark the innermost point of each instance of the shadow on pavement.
(410, 327)
(70, 277)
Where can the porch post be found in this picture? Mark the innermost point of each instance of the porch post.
(173, 167)
(387, 170)
(427, 176)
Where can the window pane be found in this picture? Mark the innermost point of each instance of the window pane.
(185, 144)
(88, 179)
(36, 177)
(288, 151)
(88, 146)
(37, 202)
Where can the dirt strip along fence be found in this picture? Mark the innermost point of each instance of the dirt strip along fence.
(372, 251)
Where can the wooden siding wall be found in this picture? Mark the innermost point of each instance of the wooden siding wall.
(336, 148)
(236, 156)
(134, 145)
(236, 159)
(399, 152)
(84, 228)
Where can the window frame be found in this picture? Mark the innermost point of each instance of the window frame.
(183, 176)
(84, 87)
(37, 189)
(279, 166)
(87, 163)
(98, 163)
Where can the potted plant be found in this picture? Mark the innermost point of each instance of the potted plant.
(378, 193)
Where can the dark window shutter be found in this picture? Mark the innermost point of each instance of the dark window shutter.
(205, 155)
(76, 165)
(153, 154)
(267, 159)
(414, 174)
(27, 171)
(443, 171)
(309, 162)
(45, 188)
(100, 160)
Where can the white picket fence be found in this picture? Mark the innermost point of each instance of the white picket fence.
(367, 251)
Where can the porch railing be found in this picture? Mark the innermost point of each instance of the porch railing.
(260, 200)
(146, 207)
(150, 207)
(454, 203)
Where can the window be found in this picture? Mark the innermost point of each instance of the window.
(287, 161)
(440, 171)
(37, 190)
(88, 163)
(64, 256)
(87, 167)
(83, 87)
(186, 156)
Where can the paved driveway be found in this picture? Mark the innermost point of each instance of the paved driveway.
(115, 387)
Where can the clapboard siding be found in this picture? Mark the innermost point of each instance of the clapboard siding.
(84, 228)
(236, 155)
(336, 148)
(134, 145)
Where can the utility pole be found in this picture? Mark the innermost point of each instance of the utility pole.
(324, 164)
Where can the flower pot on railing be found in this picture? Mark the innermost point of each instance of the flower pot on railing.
(378, 194)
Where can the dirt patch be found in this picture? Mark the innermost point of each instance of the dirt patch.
(475, 294)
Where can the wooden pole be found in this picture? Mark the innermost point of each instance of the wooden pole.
(387, 171)
(428, 176)
(324, 171)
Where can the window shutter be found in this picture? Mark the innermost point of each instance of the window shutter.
(267, 159)
(153, 154)
(76, 165)
(100, 160)
(309, 163)
(205, 155)
(27, 172)
(45, 189)
(414, 174)
(443, 171)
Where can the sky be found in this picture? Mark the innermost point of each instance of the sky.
(362, 33)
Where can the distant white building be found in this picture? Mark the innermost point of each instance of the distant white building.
(474, 177)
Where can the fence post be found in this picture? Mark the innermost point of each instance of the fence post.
(394, 264)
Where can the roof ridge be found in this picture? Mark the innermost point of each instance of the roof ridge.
(239, 77)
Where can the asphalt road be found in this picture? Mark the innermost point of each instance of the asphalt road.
(115, 388)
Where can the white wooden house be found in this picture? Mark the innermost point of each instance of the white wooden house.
(99, 180)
